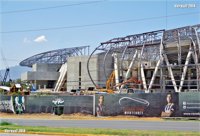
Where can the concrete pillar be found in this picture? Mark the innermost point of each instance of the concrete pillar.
(44, 86)
(116, 69)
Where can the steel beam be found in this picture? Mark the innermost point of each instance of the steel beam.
(154, 75)
(170, 72)
(116, 69)
(185, 69)
(129, 68)
(142, 70)
(144, 79)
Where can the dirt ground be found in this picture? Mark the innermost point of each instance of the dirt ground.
(76, 116)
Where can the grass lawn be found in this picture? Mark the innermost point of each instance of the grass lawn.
(7, 127)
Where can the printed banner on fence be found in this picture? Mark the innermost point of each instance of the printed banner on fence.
(6, 104)
(157, 104)
(189, 104)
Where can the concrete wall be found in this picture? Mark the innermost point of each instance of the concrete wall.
(108, 67)
(96, 71)
(46, 67)
(73, 72)
(41, 74)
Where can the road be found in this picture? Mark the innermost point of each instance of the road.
(113, 124)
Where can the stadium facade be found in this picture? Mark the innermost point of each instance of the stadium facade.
(156, 61)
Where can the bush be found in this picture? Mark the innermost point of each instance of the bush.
(4, 123)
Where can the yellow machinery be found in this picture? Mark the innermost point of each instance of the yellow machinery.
(110, 83)
(131, 80)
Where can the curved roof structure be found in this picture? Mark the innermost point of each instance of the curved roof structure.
(149, 43)
(59, 56)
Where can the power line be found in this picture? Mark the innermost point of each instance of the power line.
(97, 24)
(52, 7)
(15, 60)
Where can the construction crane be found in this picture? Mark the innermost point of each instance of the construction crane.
(5, 76)
(1, 78)
(7, 69)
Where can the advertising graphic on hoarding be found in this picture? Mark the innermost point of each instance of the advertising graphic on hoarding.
(6, 104)
(58, 101)
(157, 104)
(137, 107)
(189, 104)
(169, 109)
(145, 104)
(70, 104)
(19, 104)
(14, 104)
(100, 106)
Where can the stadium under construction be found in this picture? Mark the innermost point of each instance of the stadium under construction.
(156, 61)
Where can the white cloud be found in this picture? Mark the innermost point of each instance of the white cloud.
(26, 40)
(40, 39)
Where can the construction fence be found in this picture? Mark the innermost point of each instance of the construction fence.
(137, 104)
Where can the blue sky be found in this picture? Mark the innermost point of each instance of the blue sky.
(17, 46)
